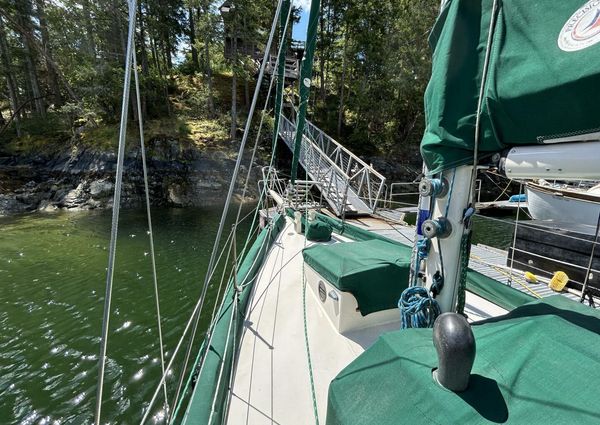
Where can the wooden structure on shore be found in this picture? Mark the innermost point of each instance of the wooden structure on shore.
(236, 44)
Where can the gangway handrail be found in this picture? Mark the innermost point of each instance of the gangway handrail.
(345, 149)
(346, 180)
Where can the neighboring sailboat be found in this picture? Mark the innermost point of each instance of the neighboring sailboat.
(564, 203)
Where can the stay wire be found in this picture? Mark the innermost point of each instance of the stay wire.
(176, 350)
(258, 137)
(229, 197)
(253, 227)
(589, 267)
(115, 213)
(484, 74)
(226, 246)
(150, 228)
(262, 118)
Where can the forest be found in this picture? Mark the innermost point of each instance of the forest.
(62, 68)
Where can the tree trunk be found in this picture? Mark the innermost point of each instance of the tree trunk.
(233, 130)
(52, 75)
(24, 32)
(24, 17)
(246, 85)
(34, 84)
(167, 50)
(142, 43)
(195, 63)
(208, 71)
(342, 86)
(155, 57)
(90, 41)
(11, 84)
(144, 57)
(322, 58)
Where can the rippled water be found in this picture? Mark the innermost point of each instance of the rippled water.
(52, 279)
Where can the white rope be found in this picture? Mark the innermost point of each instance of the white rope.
(150, 229)
(115, 214)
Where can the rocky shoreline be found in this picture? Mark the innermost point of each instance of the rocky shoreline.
(180, 175)
(83, 178)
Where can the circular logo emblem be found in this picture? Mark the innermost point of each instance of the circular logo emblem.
(322, 291)
(582, 29)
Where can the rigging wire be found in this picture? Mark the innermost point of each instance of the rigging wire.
(262, 118)
(484, 74)
(589, 267)
(251, 232)
(116, 210)
(176, 350)
(234, 176)
(226, 246)
(150, 229)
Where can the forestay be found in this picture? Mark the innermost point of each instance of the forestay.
(542, 82)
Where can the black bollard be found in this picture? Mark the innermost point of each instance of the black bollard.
(455, 345)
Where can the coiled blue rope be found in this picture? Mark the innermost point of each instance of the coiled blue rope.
(417, 308)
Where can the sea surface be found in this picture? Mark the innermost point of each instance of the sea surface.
(52, 286)
(52, 283)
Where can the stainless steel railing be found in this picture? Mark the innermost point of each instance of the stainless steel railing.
(349, 184)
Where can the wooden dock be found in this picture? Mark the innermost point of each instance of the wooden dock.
(499, 207)
(487, 260)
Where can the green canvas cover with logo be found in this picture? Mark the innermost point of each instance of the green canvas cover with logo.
(543, 80)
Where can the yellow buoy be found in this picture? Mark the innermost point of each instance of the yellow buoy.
(530, 277)
(558, 281)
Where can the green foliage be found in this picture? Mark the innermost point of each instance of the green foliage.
(385, 48)
(372, 63)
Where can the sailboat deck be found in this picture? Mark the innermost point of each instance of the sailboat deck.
(271, 384)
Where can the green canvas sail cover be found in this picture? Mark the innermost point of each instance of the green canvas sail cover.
(543, 80)
(536, 365)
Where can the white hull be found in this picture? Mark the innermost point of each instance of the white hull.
(558, 205)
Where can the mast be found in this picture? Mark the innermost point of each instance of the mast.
(447, 232)
(305, 82)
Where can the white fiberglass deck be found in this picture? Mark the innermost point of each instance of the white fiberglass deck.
(271, 383)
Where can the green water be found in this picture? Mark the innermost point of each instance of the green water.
(52, 280)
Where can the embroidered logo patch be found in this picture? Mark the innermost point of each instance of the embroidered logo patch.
(582, 29)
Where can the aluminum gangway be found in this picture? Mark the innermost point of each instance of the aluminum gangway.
(348, 184)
